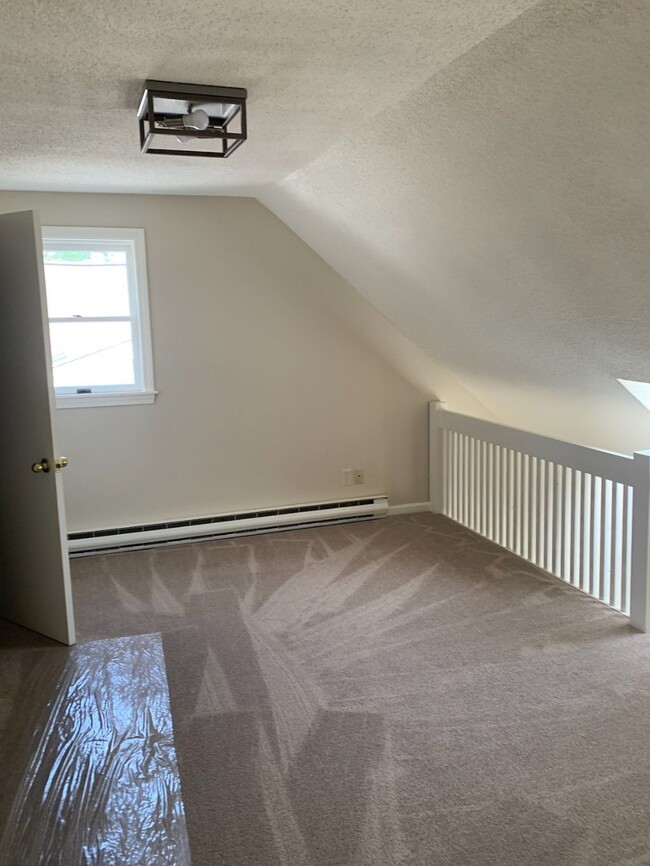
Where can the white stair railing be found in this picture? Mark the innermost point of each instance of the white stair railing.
(579, 513)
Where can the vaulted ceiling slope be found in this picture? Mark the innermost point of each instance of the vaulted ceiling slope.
(499, 215)
(477, 169)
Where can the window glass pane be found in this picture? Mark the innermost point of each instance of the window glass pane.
(86, 283)
(92, 353)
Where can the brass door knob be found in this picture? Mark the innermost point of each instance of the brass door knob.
(44, 465)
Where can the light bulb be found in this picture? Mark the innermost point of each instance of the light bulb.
(196, 119)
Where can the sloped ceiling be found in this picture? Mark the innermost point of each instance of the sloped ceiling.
(503, 222)
(479, 171)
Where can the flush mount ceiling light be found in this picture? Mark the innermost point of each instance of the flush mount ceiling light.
(191, 119)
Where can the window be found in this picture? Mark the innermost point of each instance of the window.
(640, 390)
(96, 283)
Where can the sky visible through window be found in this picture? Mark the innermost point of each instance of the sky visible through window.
(88, 300)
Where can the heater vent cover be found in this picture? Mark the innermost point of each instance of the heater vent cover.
(226, 525)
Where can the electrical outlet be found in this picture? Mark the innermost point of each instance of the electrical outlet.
(347, 477)
(358, 476)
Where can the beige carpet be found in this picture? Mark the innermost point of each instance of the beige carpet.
(395, 692)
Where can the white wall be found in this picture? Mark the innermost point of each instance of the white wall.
(268, 377)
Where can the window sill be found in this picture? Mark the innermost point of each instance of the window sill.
(116, 398)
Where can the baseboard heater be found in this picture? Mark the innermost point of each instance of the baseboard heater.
(122, 538)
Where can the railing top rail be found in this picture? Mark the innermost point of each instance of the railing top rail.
(607, 464)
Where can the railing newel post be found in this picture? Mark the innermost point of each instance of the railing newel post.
(640, 578)
(436, 458)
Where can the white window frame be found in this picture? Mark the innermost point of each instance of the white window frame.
(130, 241)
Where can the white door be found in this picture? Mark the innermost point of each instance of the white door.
(35, 589)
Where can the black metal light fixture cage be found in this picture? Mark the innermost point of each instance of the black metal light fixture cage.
(191, 119)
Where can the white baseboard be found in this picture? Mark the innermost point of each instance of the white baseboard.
(408, 508)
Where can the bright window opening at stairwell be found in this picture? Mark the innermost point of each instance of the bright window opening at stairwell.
(640, 390)
(98, 316)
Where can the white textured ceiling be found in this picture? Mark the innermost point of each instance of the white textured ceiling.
(505, 226)
(478, 170)
(72, 73)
